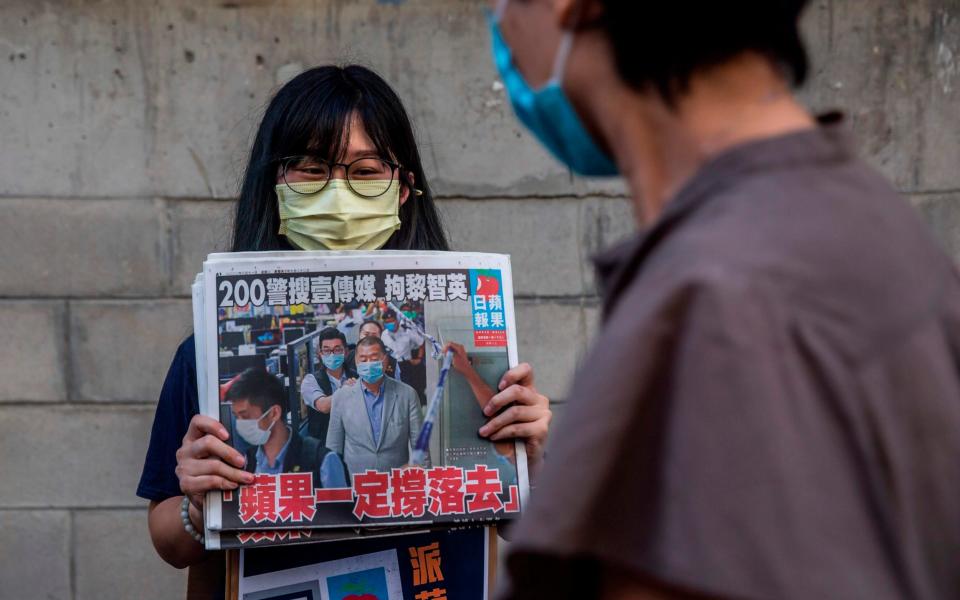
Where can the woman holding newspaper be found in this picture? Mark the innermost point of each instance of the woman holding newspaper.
(326, 139)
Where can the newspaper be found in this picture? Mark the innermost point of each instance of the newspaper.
(446, 322)
(262, 538)
(450, 563)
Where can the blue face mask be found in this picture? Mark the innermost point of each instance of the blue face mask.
(547, 112)
(391, 327)
(332, 361)
(370, 372)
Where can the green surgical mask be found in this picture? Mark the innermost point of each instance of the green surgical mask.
(335, 217)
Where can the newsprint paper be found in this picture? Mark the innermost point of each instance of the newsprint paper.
(342, 431)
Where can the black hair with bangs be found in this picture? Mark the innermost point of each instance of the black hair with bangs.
(312, 114)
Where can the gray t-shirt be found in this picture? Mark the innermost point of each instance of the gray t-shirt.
(772, 407)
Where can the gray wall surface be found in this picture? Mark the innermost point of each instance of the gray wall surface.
(123, 128)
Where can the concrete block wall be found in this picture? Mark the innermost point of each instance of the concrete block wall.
(124, 126)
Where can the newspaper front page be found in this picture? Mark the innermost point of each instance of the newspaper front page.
(354, 384)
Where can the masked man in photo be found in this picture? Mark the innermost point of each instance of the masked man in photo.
(375, 423)
(256, 399)
(317, 390)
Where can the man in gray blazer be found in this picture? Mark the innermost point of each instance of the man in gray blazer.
(375, 422)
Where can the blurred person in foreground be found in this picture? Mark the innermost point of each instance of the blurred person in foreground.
(786, 422)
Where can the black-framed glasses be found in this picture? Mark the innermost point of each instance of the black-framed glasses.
(367, 177)
(331, 351)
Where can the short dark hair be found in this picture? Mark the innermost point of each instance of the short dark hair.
(372, 341)
(258, 387)
(331, 333)
(373, 322)
(662, 44)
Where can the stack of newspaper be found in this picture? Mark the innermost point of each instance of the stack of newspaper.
(354, 384)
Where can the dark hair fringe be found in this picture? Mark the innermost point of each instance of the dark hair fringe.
(312, 113)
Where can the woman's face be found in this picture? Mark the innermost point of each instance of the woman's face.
(358, 146)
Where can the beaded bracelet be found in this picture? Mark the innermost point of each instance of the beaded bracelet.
(187, 524)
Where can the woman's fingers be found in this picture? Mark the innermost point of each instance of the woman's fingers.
(200, 460)
(523, 431)
(196, 469)
(521, 374)
(215, 467)
(515, 414)
(515, 393)
(211, 447)
(201, 425)
(206, 483)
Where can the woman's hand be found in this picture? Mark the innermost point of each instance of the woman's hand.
(527, 418)
(206, 462)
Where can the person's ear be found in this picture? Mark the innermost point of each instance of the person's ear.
(409, 187)
(575, 14)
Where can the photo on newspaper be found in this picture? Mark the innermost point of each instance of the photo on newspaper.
(354, 382)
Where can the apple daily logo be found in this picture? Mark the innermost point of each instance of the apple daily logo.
(487, 285)
(486, 304)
